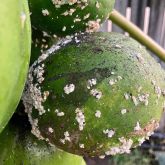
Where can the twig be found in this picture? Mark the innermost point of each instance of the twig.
(136, 33)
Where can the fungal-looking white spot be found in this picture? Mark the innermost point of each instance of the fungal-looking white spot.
(114, 81)
(91, 83)
(111, 82)
(64, 28)
(123, 148)
(69, 12)
(135, 100)
(117, 46)
(69, 88)
(81, 145)
(123, 111)
(33, 97)
(45, 12)
(158, 91)
(96, 93)
(50, 130)
(93, 26)
(98, 114)
(59, 113)
(66, 137)
(141, 140)
(46, 94)
(77, 20)
(97, 5)
(137, 127)
(66, 134)
(102, 156)
(140, 58)
(80, 118)
(42, 58)
(127, 96)
(86, 16)
(109, 133)
(144, 98)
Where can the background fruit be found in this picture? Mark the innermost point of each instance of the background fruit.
(96, 94)
(15, 41)
(19, 146)
(65, 17)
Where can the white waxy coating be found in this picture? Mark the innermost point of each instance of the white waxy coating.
(112, 82)
(80, 118)
(66, 137)
(45, 12)
(109, 133)
(143, 98)
(135, 101)
(102, 156)
(137, 127)
(96, 93)
(32, 95)
(92, 82)
(123, 148)
(98, 114)
(69, 88)
(50, 130)
(60, 114)
(93, 26)
(81, 145)
(123, 111)
(127, 96)
(64, 28)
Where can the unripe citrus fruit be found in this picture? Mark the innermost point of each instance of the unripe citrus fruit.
(19, 146)
(98, 94)
(65, 17)
(15, 42)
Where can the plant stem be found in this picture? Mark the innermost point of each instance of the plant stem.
(136, 33)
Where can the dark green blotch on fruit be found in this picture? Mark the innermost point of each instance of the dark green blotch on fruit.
(128, 93)
(48, 16)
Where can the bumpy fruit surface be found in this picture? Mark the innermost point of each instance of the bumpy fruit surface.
(65, 17)
(15, 41)
(98, 94)
(19, 146)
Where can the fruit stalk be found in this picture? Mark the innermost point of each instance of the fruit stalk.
(137, 33)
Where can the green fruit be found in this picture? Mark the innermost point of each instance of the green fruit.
(40, 42)
(15, 41)
(65, 17)
(20, 147)
(95, 94)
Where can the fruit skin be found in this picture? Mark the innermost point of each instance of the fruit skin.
(40, 42)
(131, 86)
(15, 44)
(56, 22)
(19, 146)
